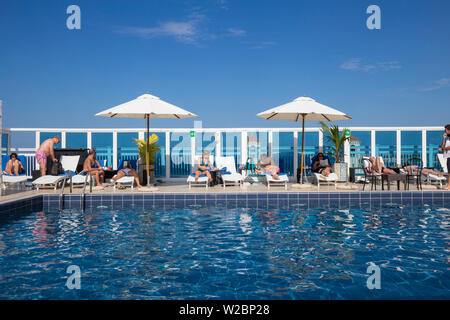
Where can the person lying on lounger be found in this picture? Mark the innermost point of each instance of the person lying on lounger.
(321, 165)
(268, 167)
(413, 169)
(127, 171)
(89, 166)
(14, 166)
(204, 167)
(379, 167)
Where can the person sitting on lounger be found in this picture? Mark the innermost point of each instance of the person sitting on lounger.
(14, 166)
(379, 167)
(89, 166)
(204, 166)
(321, 165)
(268, 167)
(127, 170)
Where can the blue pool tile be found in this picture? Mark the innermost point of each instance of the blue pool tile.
(313, 195)
(313, 203)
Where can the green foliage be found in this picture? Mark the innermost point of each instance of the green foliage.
(336, 139)
(153, 149)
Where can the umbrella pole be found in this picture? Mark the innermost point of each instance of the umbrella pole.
(303, 143)
(148, 150)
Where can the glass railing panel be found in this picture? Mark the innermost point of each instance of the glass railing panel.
(102, 142)
(126, 147)
(411, 146)
(231, 146)
(205, 141)
(386, 147)
(180, 154)
(311, 148)
(360, 146)
(434, 141)
(76, 140)
(4, 143)
(257, 145)
(283, 151)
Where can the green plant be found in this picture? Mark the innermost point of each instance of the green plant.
(153, 149)
(336, 139)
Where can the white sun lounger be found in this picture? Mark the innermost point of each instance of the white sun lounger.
(230, 176)
(12, 179)
(283, 181)
(203, 179)
(125, 180)
(321, 179)
(69, 163)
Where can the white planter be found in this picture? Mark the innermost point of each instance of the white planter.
(341, 170)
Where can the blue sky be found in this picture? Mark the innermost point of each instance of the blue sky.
(225, 60)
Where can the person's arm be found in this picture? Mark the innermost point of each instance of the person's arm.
(98, 164)
(52, 153)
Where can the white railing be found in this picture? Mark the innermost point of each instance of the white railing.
(176, 156)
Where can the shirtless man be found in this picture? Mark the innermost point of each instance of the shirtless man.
(268, 167)
(89, 166)
(46, 150)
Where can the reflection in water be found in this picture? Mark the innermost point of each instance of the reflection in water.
(242, 253)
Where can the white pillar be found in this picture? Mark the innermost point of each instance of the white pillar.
(37, 144)
(192, 152)
(399, 147)
(295, 153)
(218, 140)
(141, 135)
(89, 140)
(168, 154)
(373, 144)
(63, 139)
(1, 136)
(114, 150)
(424, 148)
(347, 154)
(270, 142)
(244, 151)
(320, 140)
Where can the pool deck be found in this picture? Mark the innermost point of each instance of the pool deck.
(179, 187)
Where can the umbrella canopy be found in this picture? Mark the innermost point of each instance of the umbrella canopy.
(146, 106)
(303, 109)
(312, 110)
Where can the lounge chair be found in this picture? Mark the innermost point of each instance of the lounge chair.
(320, 178)
(202, 179)
(13, 179)
(125, 180)
(283, 181)
(69, 164)
(230, 176)
(370, 175)
(429, 178)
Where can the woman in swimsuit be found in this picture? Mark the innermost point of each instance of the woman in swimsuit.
(127, 171)
(323, 170)
(14, 166)
(204, 167)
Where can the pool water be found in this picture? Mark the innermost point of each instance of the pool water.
(202, 252)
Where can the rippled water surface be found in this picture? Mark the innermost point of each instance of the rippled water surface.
(218, 253)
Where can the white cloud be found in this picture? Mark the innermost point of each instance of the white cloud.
(356, 64)
(184, 31)
(236, 32)
(264, 44)
(438, 84)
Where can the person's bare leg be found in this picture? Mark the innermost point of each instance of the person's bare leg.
(197, 174)
(326, 172)
(8, 168)
(209, 176)
(136, 177)
(43, 168)
(119, 175)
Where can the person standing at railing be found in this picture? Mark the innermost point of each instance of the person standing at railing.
(46, 150)
(445, 147)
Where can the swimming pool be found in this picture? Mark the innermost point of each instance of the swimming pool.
(201, 251)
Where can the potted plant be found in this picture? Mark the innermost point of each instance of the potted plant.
(142, 163)
(337, 139)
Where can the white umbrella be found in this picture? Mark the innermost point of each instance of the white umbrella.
(303, 109)
(146, 106)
